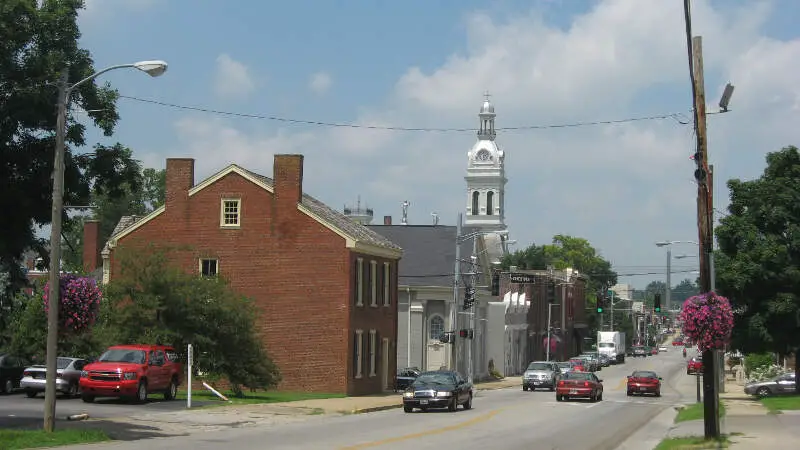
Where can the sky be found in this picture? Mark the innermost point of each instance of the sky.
(426, 64)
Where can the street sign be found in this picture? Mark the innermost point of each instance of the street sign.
(610, 293)
(638, 307)
(522, 278)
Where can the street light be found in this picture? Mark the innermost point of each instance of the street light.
(668, 244)
(152, 68)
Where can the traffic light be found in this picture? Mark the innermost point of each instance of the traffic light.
(657, 303)
(469, 298)
(466, 334)
(551, 291)
(601, 300)
(496, 284)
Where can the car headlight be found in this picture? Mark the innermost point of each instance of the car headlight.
(84, 374)
(443, 394)
(408, 394)
(129, 376)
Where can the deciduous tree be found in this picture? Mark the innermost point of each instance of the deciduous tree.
(758, 265)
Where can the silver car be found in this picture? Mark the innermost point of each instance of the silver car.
(780, 385)
(541, 374)
(68, 372)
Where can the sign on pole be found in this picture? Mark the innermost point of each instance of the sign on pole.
(522, 278)
(638, 307)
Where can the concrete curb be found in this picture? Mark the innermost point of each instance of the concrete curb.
(375, 409)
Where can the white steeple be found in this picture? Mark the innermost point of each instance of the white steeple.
(486, 180)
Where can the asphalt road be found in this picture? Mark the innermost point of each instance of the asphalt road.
(508, 419)
(17, 410)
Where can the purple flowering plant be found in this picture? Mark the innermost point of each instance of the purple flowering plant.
(707, 320)
(80, 302)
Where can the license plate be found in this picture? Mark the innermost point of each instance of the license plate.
(573, 391)
(537, 382)
(642, 388)
(423, 402)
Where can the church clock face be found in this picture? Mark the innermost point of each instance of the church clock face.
(483, 156)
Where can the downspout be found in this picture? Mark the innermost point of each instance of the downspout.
(408, 346)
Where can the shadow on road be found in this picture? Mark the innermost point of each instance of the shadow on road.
(119, 431)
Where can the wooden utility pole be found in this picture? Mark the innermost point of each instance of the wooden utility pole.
(705, 229)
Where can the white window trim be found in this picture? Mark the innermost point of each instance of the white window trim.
(386, 283)
(200, 266)
(430, 321)
(373, 283)
(222, 223)
(359, 353)
(360, 282)
(372, 353)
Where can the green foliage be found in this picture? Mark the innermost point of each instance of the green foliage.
(758, 265)
(566, 251)
(150, 301)
(38, 40)
(758, 361)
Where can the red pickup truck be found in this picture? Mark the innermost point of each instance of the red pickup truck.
(132, 371)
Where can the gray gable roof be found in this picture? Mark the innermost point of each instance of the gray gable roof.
(429, 252)
(337, 219)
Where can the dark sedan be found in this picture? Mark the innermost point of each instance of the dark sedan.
(405, 377)
(438, 389)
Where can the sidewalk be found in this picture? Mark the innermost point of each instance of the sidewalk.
(748, 424)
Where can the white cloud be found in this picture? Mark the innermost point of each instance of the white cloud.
(320, 82)
(620, 186)
(232, 79)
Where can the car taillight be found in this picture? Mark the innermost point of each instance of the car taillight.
(26, 373)
(586, 384)
(561, 383)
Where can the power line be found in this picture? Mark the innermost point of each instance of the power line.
(674, 116)
(596, 274)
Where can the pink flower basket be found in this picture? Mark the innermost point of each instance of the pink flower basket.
(707, 320)
(79, 305)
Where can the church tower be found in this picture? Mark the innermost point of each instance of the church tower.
(486, 177)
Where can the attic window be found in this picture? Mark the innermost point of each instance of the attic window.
(230, 212)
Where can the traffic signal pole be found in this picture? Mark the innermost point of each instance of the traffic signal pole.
(456, 321)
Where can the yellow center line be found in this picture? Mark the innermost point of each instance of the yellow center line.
(458, 426)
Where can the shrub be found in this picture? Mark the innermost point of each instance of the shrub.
(757, 362)
(765, 373)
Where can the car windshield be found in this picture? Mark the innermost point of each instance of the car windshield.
(580, 376)
(434, 378)
(565, 365)
(63, 363)
(539, 366)
(644, 374)
(123, 355)
(576, 361)
(606, 345)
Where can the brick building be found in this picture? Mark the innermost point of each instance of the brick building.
(325, 285)
(568, 322)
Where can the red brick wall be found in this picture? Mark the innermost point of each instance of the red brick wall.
(91, 245)
(297, 271)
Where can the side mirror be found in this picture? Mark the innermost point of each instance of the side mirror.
(629, 376)
(600, 380)
(660, 378)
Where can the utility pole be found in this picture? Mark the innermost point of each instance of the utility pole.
(473, 277)
(705, 206)
(668, 293)
(549, 316)
(456, 280)
(55, 257)
(611, 303)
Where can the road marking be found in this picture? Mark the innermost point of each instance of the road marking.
(458, 426)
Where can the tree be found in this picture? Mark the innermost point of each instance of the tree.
(151, 301)
(685, 289)
(758, 265)
(38, 40)
(566, 251)
(109, 210)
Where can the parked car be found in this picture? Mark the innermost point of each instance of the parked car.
(579, 384)
(541, 374)
(438, 389)
(780, 385)
(644, 382)
(564, 366)
(694, 366)
(405, 377)
(68, 376)
(132, 371)
(11, 368)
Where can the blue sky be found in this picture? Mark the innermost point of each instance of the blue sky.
(426, 64)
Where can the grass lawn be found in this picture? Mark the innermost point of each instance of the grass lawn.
(250, 398)
(775, 404)
(695, 412)
(692, 443)
(19, 439)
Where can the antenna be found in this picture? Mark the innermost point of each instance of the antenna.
(404, 220)
(435, 218)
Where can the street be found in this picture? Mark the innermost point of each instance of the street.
(508, 418)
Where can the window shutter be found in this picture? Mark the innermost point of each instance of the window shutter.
(355, 354)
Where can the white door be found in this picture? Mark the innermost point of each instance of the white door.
(437, 356)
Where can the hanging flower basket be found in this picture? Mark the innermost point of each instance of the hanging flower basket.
(79, 305)
(707, 320)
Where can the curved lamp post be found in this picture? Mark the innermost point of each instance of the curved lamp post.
(668, 244)
(152, 68)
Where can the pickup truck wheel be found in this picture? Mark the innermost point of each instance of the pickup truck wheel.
(8, 386)
(141, 392)
(87, 398)
(172, 390)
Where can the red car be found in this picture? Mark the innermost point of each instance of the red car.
(654, 351)
(581, 385)
(694, 366)
(578, 365)
(644, 382)
(677, 342)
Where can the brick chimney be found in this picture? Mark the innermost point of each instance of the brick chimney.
(288, 178)
(179, 179)
(387, 220)
(91, 246)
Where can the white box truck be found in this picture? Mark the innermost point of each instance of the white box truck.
(612, 344)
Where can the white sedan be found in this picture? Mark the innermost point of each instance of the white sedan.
(662, 348)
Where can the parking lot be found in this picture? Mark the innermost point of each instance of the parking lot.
(17, 410)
